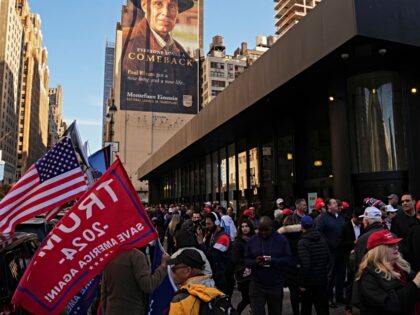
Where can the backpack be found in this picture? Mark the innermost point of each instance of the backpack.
(220, 305)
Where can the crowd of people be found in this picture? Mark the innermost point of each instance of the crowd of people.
(333, 255)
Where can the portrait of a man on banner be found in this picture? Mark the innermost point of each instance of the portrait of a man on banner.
(159, 72)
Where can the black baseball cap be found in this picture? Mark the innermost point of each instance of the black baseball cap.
(188, 257)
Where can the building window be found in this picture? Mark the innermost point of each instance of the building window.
(242, 167)
(215, 169)
(377, 122)
(214, 93)
(208, 175)
(223, 176)
(254, 170)
(232, 175)
(217, 83)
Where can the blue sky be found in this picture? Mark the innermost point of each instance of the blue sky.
(75, 33)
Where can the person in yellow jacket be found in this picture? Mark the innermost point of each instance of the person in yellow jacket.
(194, 286)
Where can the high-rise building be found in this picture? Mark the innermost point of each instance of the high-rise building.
(290, 12)
(10, 57)
(34, 102)
(108, 80)
(263, 44)
(138, 132)
(55, 119)
(219, 69)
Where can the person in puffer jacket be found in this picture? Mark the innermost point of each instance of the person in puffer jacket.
(194, 286)
(292, 230)
(313, 255)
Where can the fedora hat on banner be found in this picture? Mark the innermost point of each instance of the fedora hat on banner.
(183, 5)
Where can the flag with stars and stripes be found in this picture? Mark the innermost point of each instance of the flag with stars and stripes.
(53, 180)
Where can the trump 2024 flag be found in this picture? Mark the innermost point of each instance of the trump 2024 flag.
(107, 218)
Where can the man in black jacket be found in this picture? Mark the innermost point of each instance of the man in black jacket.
(331, 224)
(372, 222)
(401, 223)
(215, 245)
(351, 232)
(409, 246)
(313, 255)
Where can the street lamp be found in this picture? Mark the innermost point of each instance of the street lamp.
(112, 109)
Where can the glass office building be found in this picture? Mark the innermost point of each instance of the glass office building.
(332, 108)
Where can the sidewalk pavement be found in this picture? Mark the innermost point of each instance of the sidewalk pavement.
(287, 308)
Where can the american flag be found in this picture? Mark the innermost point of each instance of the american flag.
(55, 179)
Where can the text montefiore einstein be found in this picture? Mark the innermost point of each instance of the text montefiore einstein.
(152, 97)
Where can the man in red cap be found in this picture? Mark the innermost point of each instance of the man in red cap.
(250, 214)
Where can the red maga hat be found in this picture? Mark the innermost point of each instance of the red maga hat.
(345, 205)
(287, 212)
(249, 213)
(319, 205)
(382, 237)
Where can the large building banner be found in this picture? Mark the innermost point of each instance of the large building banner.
(158, 70)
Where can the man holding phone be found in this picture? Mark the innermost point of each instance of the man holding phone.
(268, 254)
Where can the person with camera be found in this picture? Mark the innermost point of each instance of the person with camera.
(268, 254)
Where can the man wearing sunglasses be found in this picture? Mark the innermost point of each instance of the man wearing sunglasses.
(188, 274)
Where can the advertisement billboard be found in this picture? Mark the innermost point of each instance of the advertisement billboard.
(158, 69)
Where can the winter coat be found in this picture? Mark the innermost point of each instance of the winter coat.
(126, 281)
(332, 228)
(348, 237)
(187, 299)
(361, 244)
(410, 246)
(276, 246)
(238, 259)
(217, 250)
(401, 224)
(292, 233)
(314, 256)
(379, 296)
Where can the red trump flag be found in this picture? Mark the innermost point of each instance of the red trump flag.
(107, 218)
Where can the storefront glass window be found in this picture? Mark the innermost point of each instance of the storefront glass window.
(208, 176)
(223, 176)
(215, 166)
(232, 176)
(178, 183)
(193, 186)
(254, 170)
(202, 176)
(242, 179)
(377, 123)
